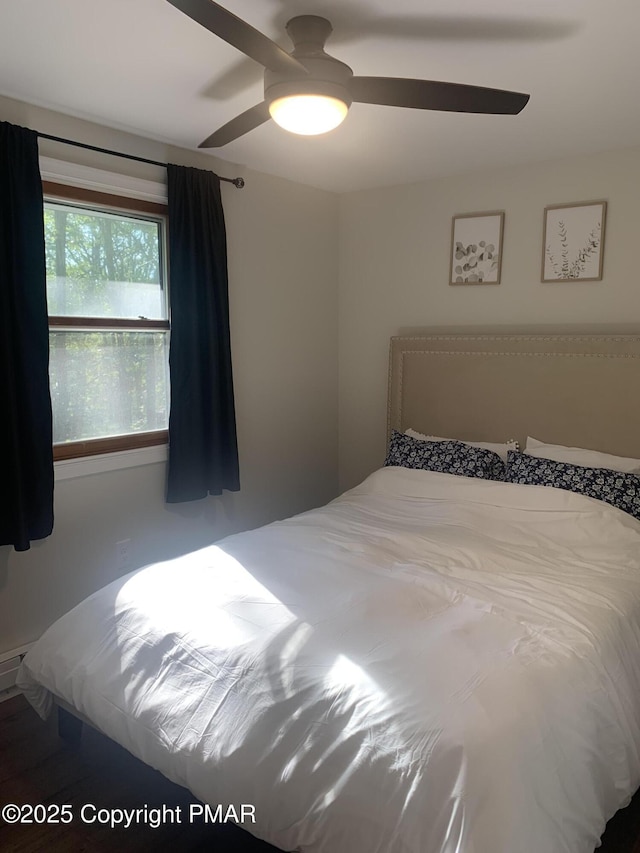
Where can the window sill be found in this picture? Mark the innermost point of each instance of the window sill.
(69, 469)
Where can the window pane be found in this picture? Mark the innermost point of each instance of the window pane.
(102, 264)
(107, 383)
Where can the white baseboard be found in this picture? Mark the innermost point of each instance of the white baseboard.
(9, 664)
(9, 694)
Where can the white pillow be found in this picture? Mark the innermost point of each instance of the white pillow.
(579, 456)
(500, 449)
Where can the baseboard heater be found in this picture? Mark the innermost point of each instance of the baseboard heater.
(9, 664)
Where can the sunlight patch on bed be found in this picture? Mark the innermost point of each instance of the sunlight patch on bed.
(351, 685)
(207, 593)
(290, 653)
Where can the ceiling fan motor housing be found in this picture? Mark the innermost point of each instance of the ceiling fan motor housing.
(326, 75)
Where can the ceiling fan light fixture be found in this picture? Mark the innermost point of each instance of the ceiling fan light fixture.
(308, 115)
(309, 92)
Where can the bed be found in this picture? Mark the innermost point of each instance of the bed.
(431, 663)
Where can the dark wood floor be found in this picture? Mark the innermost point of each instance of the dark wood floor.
(37, 767)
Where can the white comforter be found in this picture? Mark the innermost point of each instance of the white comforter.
(428, 664)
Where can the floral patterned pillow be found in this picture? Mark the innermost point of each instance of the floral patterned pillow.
(613, 487)
(448, 457)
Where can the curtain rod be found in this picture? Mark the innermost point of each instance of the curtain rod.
(237, 182)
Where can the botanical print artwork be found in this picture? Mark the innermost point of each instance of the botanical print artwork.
(476, 248)
(573, 242)
(475, 262)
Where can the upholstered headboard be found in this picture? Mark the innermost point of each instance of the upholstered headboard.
(581, 390)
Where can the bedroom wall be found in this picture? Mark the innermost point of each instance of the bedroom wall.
(282, 247)
(394, 272)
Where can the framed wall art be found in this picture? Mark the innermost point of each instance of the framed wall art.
(573, 241)
(476, 248)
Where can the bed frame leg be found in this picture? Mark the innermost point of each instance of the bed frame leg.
(69, 727)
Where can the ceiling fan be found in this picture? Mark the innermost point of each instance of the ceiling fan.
(309, 92)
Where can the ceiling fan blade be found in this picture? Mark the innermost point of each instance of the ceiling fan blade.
(431, 95)
(240, 35)
(238, 126)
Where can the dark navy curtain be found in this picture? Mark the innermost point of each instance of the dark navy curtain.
(203, 451)
(26, 450)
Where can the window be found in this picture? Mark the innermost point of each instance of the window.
(108, 321)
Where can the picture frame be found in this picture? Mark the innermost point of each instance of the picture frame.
(573, 241)
(476, 248)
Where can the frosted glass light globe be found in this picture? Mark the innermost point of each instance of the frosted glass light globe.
(308, 115)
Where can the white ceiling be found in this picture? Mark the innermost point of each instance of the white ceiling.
(145, 67)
